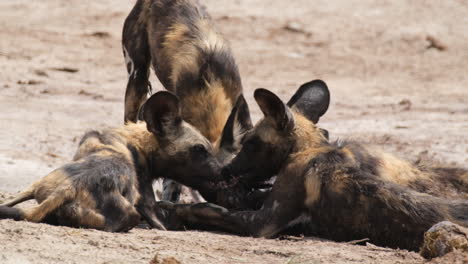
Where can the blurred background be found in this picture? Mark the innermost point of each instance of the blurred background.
(397, 71)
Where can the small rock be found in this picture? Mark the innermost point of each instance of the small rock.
(100, 34)
(169, 260)
(435, 43)
(443, 238)
(295, 28)
(29, 82)
(93, 243)
(53, 155)
(41, 73)
(65, 69)
(405, 104)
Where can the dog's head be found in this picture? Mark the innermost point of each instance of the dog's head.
(184, 154)
(285, 127)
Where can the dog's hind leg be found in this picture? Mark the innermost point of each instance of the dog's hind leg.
(23, 196)
(49, 205)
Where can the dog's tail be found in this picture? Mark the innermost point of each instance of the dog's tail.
(11, 213)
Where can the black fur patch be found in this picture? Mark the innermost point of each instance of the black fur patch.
(102, 174)
(365, 161)
(11, 213)
(311, 99)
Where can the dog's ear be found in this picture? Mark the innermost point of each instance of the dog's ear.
(325, 133)
(311, 99)
(238, 123)
(272, 107)
(162, 113)
(141, 110)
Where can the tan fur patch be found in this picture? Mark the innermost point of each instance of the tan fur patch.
(209, 39)
(312, 186)
(312, 181)
(182, 51)
(208, 110)
(397, 170)
(137, 135)
(307, 135)
(48, 184)
(90, 218)
(23, 196)
(51, 192)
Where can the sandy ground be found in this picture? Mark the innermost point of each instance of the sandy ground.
(62, 73)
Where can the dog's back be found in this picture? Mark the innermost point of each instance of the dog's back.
(98, 189)
(375, 197)
(189, 57)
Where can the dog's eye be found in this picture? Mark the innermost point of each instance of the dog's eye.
(252, 144)
(199, 150)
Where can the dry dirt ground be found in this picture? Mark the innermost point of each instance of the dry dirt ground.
(397, 71)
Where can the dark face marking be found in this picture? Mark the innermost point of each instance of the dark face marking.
(257, 160)
(194, 166)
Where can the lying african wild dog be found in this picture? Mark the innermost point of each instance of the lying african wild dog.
(191, 59)
(348, 191)
(108, 185)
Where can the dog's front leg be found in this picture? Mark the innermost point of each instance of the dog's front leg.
(148, 208)
(266, 222)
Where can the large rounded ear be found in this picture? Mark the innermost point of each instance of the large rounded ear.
(272, 107)
(237, 124)
(162, 113)
(311, 99)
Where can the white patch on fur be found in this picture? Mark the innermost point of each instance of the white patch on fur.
(275, 205)
(127, 61)
(237, 133)
(252, 218)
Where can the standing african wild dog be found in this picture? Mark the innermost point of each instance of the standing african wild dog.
(190, 58)
(108, 185)
(347, 190)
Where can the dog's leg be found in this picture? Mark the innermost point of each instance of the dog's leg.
(137, 58)
(266, 222)
(78, 213)
(171, 190)
(23, 196)
(53, 202)
(148, 208)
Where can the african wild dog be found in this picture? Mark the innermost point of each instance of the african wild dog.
(347, 190)
(190, 58)
(108, 185)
